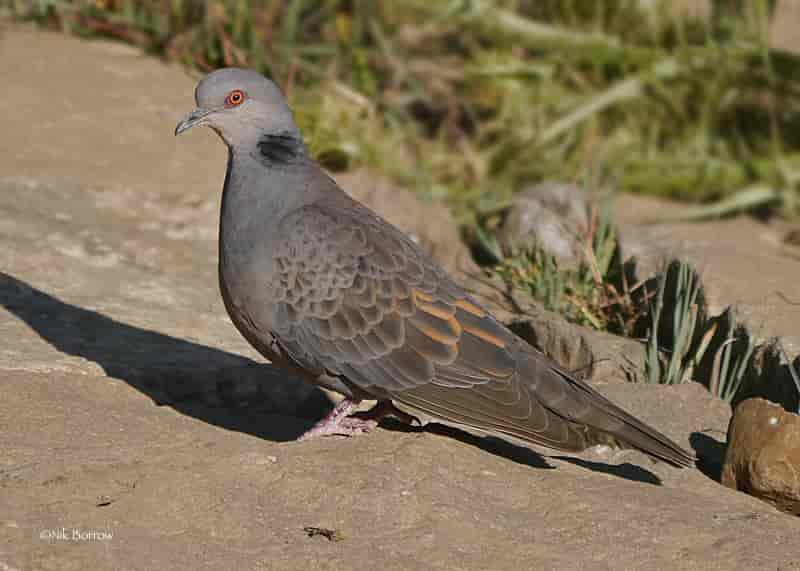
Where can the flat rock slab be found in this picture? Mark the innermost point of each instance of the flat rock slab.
(121, 449)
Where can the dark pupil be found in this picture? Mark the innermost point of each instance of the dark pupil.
(235, 97)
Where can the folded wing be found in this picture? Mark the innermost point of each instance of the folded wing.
(357, 299)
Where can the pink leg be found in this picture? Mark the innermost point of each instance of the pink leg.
(339, 423)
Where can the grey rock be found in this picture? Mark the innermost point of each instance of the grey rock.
(551, 215)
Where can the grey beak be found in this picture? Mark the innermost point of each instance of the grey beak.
(194, 118)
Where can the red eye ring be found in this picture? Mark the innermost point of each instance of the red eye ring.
(234, 98)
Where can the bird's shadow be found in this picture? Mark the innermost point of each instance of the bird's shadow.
(626, 470)
(201, 381)
(493, 445)
(190, 377)
(524, 455)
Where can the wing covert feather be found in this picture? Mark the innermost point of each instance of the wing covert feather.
(352, 290)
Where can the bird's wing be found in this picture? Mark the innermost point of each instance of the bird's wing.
(358, 299)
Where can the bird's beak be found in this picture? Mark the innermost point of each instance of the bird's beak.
(196, 117)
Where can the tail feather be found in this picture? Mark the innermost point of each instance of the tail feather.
(543, 405)
(627, 431)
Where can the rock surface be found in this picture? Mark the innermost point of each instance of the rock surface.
(132, 408)
(763, 456)
(554, 216)
(741, 261)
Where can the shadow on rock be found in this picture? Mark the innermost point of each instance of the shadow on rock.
(491, 444)
(209, 384)
(710, 454)
(625, 471)
(523, 455)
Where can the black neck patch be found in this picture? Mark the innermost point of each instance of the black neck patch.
(280, 148)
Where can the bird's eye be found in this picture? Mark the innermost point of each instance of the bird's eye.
(234, 98)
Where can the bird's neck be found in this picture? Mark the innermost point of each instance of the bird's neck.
(264, 182)
(281, 150)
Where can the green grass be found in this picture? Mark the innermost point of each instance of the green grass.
(685, 344)
(678, 290)
(594, 293)
(793, 373)
(468, 100)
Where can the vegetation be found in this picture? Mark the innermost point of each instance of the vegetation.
(595, 292)
(793, 374)
(714, 350)
(467, 100)
(684, 291)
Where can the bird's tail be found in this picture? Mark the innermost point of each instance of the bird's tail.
(603, 422)
(544, 405)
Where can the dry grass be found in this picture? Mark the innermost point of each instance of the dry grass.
(468, 100)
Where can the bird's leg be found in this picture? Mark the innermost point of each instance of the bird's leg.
(340, 423)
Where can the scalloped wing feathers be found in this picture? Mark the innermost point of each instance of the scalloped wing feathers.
(358, 299)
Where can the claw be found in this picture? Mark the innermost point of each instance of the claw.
(340, 423)
(329, 425)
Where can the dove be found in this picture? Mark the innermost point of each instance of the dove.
(321, 285)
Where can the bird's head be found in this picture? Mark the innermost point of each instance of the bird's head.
(242, 106)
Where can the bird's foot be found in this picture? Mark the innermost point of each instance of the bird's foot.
(340, 423)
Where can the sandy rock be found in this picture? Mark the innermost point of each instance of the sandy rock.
(741, 261)
(595, 355)
(551, 215)
(681, 402)
(763, 457)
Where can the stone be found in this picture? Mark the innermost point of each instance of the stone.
(763, 456)
(552, 216)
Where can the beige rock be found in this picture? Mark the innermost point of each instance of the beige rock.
(763, 457)
(596, 355)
